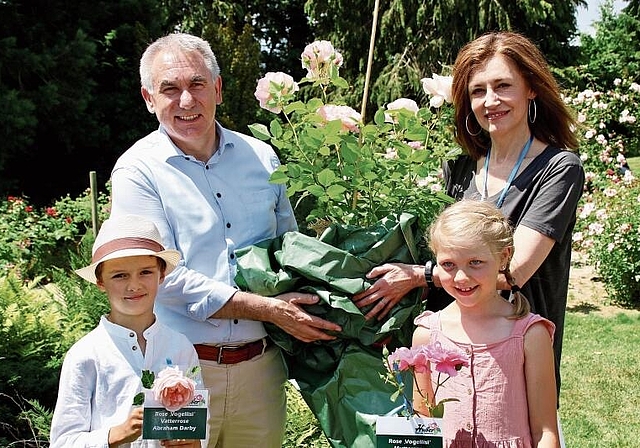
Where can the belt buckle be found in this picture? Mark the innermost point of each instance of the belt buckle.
(222, 348)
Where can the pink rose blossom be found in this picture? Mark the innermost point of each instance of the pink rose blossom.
(403, 103)
(173, 389)
(446, 361)
(439, 87)
(418, 358)
(272, 88)
(349, 117)
(400, 104)
(317, 56)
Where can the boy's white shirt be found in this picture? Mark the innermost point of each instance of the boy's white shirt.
(100, 376)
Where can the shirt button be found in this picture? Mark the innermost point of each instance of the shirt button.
(469, 426)
(469, 391)
(131, 335)
(235, 321)
(232, 256)
(228, 225)
(468, 351)
(134, 348)
(218, 195)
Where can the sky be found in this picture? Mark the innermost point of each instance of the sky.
(586, 16)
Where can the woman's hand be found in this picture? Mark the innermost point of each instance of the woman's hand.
(394, 281)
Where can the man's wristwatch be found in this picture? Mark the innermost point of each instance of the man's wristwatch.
(428, 274)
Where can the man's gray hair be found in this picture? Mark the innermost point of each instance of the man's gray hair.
(180, 41)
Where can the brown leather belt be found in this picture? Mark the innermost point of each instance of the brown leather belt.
(232, 354)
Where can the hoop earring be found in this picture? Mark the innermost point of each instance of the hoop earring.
(534, 115)
(466, 125)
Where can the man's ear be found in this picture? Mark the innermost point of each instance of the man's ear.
(147, 99)
(219, 90)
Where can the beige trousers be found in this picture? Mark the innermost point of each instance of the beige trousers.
(247, 401)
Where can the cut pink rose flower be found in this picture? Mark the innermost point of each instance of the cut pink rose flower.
(173, 389)
(272, 89)
(317, 56)
(446, 361)
(417, 360)
(350, 118)
(439, 87)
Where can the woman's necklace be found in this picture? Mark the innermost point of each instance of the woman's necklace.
(514, 171)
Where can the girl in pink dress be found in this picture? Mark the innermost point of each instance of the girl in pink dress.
(507, 396)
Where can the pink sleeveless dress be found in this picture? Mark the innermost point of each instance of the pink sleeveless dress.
(492, 411)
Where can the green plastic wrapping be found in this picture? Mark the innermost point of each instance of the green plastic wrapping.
(342, 381)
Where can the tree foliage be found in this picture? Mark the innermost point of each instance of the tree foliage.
(68, 73)
(613, 52)
(416, 39)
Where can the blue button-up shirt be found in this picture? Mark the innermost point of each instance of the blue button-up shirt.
(206, 211)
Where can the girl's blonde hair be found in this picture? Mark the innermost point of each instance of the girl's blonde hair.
(467, 223)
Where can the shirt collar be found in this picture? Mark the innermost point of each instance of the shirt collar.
(119, 331)
(173, 151)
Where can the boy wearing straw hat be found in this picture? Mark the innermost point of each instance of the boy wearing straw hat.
(101, 372)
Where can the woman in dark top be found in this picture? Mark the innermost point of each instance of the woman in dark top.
(519, 142)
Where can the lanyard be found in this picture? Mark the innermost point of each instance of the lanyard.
(514, 171)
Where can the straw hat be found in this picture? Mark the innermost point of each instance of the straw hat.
(127, 236)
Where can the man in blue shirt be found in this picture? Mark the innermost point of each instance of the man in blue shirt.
(207, 189)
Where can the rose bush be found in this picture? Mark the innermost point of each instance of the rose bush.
(349, 171)
(608, 225)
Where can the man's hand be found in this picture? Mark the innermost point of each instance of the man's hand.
(394, 281)
(293, 319)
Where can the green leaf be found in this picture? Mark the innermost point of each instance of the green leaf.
(279, 177)
(193, 371)
(259, 131)
(438, 410)
(379, 117)
(293, 107)
(276, 129)
(335, 191)
(340, 82)
(316, 190)
(417, 134)
(326, 177)
(147, 379)
(138, 400)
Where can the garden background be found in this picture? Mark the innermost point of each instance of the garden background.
(72, 105)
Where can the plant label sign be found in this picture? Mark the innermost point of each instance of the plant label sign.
(190, 422)
(412, 432)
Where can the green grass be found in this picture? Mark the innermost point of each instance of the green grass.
(600, 402)
(634, 164)
(302, 428)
